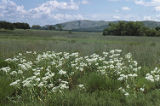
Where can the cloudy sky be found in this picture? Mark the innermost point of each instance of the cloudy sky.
(44, 12)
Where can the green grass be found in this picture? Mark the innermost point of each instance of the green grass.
(146, 50)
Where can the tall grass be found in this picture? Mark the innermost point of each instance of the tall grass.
(145, 49)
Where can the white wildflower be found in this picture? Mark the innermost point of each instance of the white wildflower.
(61, 72)
(15, 83)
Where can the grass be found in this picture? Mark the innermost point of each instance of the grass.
(146, 50)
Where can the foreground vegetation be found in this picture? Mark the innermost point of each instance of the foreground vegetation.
(55, 74)
(55, 78)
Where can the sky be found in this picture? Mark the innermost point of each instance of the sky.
(49, 12)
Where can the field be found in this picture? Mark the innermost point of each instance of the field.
(146, 50)
(94, 87)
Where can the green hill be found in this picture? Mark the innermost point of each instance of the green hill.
(151, 24)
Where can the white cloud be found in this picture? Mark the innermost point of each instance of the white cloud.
(117, 0)
(157, 8)
(125, 8)
(113, 17)
(140, 2)
(116, 17)
(117, 11)
(128, 17)
(65, 17)
(155, 18)
(9, 5)
(84, 2)
(50, 11)
(11, 11)
(147, 18)
(49, 7)
(113, 0)
(53, 11)
(153, 3)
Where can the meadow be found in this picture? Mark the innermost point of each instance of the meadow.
(145, 50)
(78, 68)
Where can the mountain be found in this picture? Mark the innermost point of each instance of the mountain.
(83, 24)
(151, 24)
(96, 26)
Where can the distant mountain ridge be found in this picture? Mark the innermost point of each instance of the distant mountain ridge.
(97, 26)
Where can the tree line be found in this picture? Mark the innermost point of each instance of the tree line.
(12, 26)
(48, 27)
(131, 28)
(20, 25)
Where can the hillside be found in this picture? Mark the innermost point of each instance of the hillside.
(97, 26)
(85, 25)
(151, 24)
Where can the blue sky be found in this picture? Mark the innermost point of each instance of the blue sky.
(44, 12)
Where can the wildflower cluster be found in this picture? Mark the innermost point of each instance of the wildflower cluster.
(153, 76)
(56, 71)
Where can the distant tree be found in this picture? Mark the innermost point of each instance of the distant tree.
(6, 25)
(36, 27)
(19, 25)
(115, 29)
(70, 31)
(130, 29)
(44, 28)
(51, 27)
(157, 28)
(59, 26)
(134, 28)
(26, 26)
(11, 26)
(158, 33)
(151, 32)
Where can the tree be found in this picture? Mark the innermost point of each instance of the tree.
(134, 28)
(151, 32)
(6, 25)
(51, 27)
(70, 31)
(19, 25)
(59, 26)
(36, 27)
(130, 29)
(157, 28)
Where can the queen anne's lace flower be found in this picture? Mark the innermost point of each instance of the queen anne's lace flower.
(54, 71)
